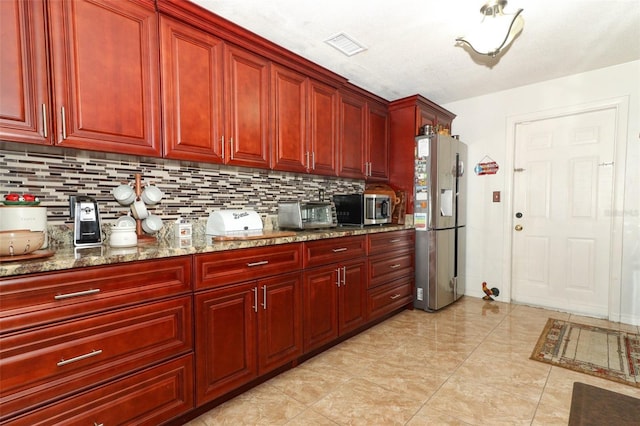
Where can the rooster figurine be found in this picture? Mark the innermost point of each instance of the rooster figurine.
(489, 292)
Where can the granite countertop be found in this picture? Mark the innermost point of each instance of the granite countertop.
(66, 257)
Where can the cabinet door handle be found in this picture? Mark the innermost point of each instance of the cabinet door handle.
(395, 240)
(338, 250)
(395, 296)
(344, 276)
(231, 148)
(44, 121)
(397, 265)
(308, 165)
(255, 299)
(313, 160)
(98, 424)
(264, 297)
(223, 147)
(64, 123)
(338, 277)
(93, 353)
(262, 262)
(76, 294)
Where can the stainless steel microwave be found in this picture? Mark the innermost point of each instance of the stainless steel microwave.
(362, 209)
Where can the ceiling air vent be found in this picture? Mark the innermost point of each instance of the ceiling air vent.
(346, 44)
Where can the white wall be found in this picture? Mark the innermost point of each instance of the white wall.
(482, 123)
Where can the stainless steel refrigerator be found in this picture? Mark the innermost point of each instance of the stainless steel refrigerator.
(440, 219)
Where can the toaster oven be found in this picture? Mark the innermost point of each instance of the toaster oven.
(312, 215)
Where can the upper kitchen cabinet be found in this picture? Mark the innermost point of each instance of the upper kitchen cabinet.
(106, 89)
(323, 128)
(24, 89)
(407, 116)
(364, 136)
(192, 97)
(377, 142)
(247, 99)
(289, 121)
(304, 123)
(353, 131)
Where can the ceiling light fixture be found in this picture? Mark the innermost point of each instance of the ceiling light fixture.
(496, 30)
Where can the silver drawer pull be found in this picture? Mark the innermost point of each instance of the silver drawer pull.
(395, 296)
(395, 240)
(338, 250)
(98, 424)
(79, 358)
(397, 265)
(76, 294)
(262, 262)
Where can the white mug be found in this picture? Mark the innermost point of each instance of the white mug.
(151, 195)
(124, 194)
(152, 224)
(139, 210)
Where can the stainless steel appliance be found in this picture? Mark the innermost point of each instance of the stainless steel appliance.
(363, 209)
(86, 229)
(439, 219)
(311, 215)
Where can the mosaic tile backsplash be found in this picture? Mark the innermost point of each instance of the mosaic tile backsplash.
(191, 190)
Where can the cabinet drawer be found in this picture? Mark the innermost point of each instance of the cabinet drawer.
(389, 297)
(384, 268)
(149, 397)
(388, 242)
(42, 364)
(232, 266)
(42, 298)
(323, 252)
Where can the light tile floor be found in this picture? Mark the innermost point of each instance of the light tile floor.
(467, 364)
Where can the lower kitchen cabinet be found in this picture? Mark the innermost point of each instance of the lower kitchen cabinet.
(149, 397)
(41, 365)
(245, 330)
(334, 301)
(391, 272)
(388, 297)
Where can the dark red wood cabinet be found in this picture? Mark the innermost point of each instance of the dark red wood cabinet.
(248, 316)
(334, 289)
(391, 272)
(25, 97)
(67, 336)
(106, 75)
(247, 81)
(192, 92)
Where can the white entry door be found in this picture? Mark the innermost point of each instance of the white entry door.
(563, 195)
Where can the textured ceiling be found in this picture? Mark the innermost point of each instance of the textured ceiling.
(411, 43)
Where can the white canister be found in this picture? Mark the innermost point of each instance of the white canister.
(123, 235)
(28, 217)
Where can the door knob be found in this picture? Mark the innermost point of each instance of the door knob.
(518, 228)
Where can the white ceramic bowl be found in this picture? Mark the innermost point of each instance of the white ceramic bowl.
(151, 195)
(152, 224)
(124, 194)
(123, 235)
(139, 210)
(19, 242)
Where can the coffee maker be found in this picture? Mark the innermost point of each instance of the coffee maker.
(86, 228)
